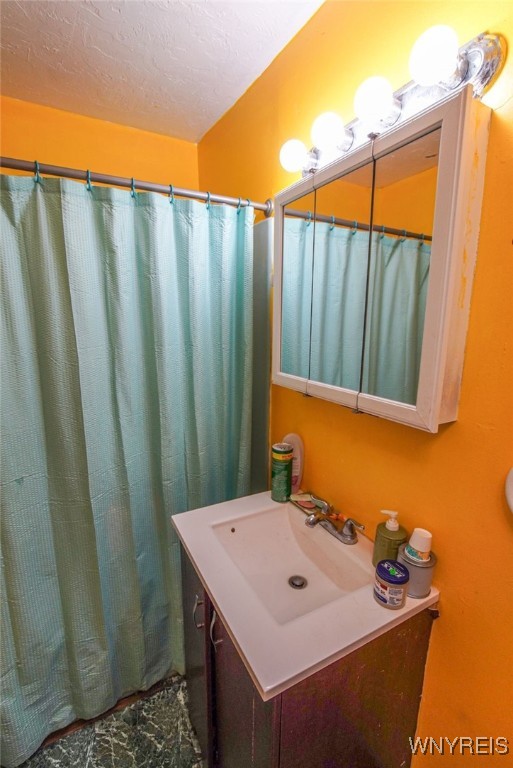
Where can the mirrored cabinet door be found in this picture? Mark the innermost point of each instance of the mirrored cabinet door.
(296, 288)
(340, 263)
(404, 205)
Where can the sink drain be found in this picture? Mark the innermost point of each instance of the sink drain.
(298, 582)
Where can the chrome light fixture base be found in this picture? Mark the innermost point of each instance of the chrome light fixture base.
(486, 56)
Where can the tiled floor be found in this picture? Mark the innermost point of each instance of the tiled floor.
(152, 732)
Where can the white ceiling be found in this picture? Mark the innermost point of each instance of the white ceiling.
(169, 66)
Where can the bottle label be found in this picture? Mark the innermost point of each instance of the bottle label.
(281, 471)
(392, 597)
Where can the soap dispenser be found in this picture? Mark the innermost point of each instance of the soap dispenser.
(389, 537)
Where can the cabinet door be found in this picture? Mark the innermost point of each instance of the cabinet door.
(360, 711)
(247, 728)
(198, 670)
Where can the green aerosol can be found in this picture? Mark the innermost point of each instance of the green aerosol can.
(281, 471)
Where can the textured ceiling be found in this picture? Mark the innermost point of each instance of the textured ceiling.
(169, 66)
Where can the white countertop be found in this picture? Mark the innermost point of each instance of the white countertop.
(278, 655)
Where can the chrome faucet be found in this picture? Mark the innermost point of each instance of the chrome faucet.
(345, 532)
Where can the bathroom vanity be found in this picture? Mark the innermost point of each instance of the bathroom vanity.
(328, 678)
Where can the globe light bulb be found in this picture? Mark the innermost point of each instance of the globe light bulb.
(293, 155)
(374, 100)
(434, 56)
(328, 131)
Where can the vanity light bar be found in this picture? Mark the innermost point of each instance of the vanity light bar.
(478, 62)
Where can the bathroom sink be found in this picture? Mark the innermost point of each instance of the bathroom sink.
(246, 550)
(293, 569)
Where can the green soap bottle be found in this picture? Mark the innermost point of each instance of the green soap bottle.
(389, 537)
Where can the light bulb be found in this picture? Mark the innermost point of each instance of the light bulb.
(293, 155)
(434, 56)
(374, 102)
(328, 131)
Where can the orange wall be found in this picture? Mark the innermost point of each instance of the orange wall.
(452, 482)
(408, 204)
(52, 136)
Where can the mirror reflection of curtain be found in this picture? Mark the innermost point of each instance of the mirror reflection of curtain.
(126, 397)
(398, 281)
(298, 241)
(338, 305)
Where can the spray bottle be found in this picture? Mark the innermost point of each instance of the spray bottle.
(389, 537)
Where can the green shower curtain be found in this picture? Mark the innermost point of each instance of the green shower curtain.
(126, 398)
(398, 283)
(324, 284)
(298, 247)
(333, 295)
(338, 305)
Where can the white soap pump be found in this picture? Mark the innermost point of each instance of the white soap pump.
(389, 537)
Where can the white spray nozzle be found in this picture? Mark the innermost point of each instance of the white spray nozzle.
(391, 523)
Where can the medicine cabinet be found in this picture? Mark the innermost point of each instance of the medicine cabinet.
(374, 261)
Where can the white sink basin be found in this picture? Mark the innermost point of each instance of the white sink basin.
(271, 546)
(246, 550)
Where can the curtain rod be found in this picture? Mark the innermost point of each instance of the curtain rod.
(356, 225)
(119, 181)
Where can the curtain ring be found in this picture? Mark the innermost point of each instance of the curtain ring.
(88, 181)
(355, 228)
(239, 206)
(208, 201)
(332, 227)
(248, 202)
(132, 190)
(309, 219)
(37, 177)
(171, 195)
(382, 234)
(422, 239)
(403, 238)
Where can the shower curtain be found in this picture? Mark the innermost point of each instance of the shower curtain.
(126, 398)
(324, 279)
(398, 282)
(298, 245)
(333, 295)
(338, 305)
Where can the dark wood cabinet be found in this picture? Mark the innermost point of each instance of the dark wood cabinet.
(197, 615)
(246, 726)
(358, 712)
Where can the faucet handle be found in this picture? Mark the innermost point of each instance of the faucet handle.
(323, 505)
(352, 523)
(348, 534)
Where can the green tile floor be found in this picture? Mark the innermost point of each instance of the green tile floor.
(153, 732)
